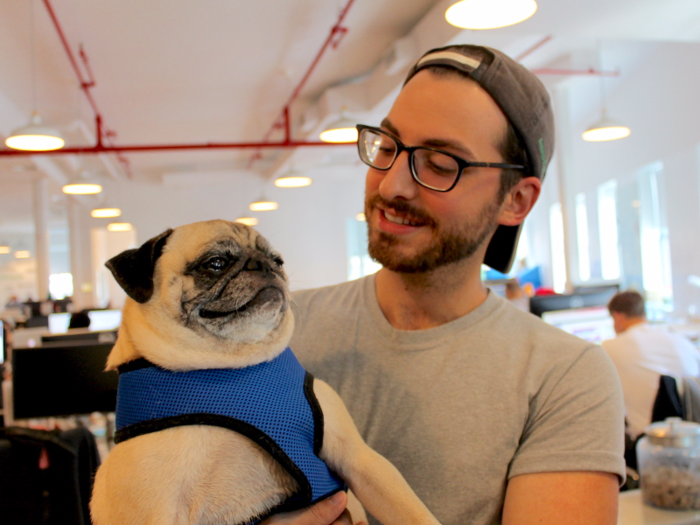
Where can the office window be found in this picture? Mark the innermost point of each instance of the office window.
(607, 221)
(556, 230)
(584, 260)
(655, 248)
(359, 261)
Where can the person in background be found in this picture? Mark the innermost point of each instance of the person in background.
(491, 415)
(642, 353)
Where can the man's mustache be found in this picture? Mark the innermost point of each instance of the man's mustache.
(402, 207)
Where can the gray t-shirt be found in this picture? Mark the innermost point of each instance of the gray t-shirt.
(461, 408)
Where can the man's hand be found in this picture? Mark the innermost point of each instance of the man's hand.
(330, 511)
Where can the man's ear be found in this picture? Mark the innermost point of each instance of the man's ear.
(133, 269)
(519, 201)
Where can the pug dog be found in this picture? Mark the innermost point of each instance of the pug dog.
(216, 420)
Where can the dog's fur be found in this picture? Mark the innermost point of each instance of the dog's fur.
(214, 295)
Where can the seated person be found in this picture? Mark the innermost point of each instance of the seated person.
(79, 320)
(641, 354)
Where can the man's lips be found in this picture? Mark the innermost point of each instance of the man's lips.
(391, 222)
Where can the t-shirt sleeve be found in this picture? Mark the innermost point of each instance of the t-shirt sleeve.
(577, 424)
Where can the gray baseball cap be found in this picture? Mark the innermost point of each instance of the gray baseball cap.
(525, 102)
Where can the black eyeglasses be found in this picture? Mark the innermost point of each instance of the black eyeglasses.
(432, 168)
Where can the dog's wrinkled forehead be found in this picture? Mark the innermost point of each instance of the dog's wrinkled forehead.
(192, 241)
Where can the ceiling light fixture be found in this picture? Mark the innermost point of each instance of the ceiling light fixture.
(5, 249)
(262, 204)
(605, 129)
(340, 131)
(293, 179)
(489, 14)
(81, 188)
(104, 213)
(248, 221)
(119, 227)
(22, 254)
(361, 217)
(34, 136)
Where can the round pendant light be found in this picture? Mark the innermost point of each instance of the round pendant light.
(293, 179)
(262, 204)
(119, 227)
(35, 137)
(489, 14)
(104, 213)
(81, 188)
(248, 221)
(340, 131)
(5, 250)
(606, 129)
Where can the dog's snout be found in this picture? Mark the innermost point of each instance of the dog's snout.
(255, 264)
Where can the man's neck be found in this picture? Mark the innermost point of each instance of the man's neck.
(426, 300)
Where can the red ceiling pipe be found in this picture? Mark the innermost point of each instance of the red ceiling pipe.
(574, 72)
(169, 147)
(336, 34)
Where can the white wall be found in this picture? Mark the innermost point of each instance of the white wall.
(308, 228)
(658, 100)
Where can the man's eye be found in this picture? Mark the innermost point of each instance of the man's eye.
(215, 264)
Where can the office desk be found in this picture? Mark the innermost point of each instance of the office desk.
(633, 512)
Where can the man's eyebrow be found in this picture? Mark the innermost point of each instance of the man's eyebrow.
(433, 143)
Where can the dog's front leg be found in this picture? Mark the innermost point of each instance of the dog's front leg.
(378, 485)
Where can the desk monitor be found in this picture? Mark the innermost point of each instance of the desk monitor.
(80, 336)
(548, 303)
(592, 324)
(58, 323)
(104, 320)
(62, 381)
(3, 343)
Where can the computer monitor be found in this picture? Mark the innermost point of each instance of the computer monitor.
(62, 380)
(3, 343)
(104, 320)
(593, 324)
(548, 303)
(58, 323)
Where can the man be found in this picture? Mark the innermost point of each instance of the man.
(491, 415)
(641, 354)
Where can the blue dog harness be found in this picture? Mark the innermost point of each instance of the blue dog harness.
(271, 403)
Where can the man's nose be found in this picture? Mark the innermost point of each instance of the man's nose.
(398, 180)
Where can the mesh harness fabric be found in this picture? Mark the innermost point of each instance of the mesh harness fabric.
(271, 403)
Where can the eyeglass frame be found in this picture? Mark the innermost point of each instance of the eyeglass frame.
(400, 146)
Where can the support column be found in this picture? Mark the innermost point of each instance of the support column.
(40, 189)
(565, 167)
(80, 262)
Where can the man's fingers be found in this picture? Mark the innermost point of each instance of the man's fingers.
(323, 513)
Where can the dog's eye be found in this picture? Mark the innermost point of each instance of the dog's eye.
(278, 261)
(215, 264)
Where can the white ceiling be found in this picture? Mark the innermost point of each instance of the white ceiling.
(178, 71)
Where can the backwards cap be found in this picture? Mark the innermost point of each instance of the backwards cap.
(525, 102)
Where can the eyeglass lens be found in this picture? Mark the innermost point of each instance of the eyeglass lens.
(431, 168)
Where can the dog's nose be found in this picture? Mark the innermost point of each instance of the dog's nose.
(257, 265)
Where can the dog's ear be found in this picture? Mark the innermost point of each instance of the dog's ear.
(134, 269)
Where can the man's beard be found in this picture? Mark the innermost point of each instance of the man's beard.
(447, 246)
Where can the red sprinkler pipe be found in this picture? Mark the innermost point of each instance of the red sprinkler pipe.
(333, 39)
(336, 34)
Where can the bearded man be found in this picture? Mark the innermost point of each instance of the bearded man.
(491, 415)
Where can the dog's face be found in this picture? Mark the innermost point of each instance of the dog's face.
(220, 280)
